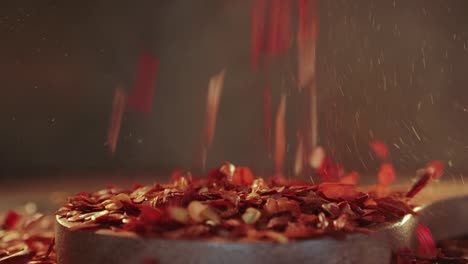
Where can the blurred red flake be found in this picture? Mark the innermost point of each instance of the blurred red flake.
(338, 191)
(11, 220)
(436, 168)
(141, 95)
(267, 116)
(258, 31)
(433, 170)
(426, 244)
(380, 149)
(115, 123)
(270, 29)
(350, 178)
(386, 174)
(308, 18)
(279, 26)
(306, 42)
(243, 176)
(328, 171)
(149, 214)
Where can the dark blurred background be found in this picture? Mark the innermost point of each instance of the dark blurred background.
(392, 70)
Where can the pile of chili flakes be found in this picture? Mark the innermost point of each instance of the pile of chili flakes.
(230, 204)
(26, 237)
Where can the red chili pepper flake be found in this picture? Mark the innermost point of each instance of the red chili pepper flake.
(338, 191)
(427, 251)
(308, 18)
(435, 168)
(271, 29)
(243, 176)
(280, 137)
(386, 175)
(380, 149)
(432, 171)
(26, 237)
(350, 178)
(258, 31)
(426, 243)
(232, 204)
(267, 116)
(279, 26)
(118, 109)
(329, 172)
(306, 41)
(141, 95)
(325, 169)
(149, 214)
(11, 220)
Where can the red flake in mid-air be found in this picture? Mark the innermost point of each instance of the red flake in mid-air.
(338, 191)
(350, 178)
(308, 18)
(267, 115)
(279, 26)
(271, 29)
(432, 171)
(141, 95)
(426, 244)
(329, 171)
(324, 167)
(115, 123)
(435, 168)
(280, 136)
(380, 149)
(386, 174)
(306, 42)
(258, 31)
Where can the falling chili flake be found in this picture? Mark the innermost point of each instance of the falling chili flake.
(350, 178)
(306, 57)
(270, 29)
(308, 17)
(280, 137)
(141, 95)
(299, 158)
(267, 115)
(387, 174)
(324, 167)
(215, 88)
(279, 26)
(432, 171)
(26, 237)
(380, 149)
(258, 31)
(426, 244)
(118, 109)
(436, 168)
(306, 41)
